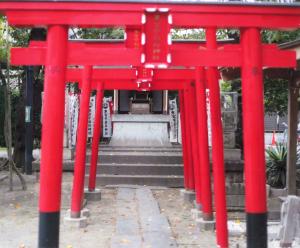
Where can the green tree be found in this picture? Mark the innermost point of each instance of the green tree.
(278, 36)
(97, 33)
(276, 90)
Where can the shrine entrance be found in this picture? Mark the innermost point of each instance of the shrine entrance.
(140, 118)
(140, 102)
(147, 60)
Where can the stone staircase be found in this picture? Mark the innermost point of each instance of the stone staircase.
(152, 166)
(162, 166)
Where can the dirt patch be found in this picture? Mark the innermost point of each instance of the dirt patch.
(182, 224)
(19, 217)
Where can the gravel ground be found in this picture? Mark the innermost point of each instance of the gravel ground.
(19, 218)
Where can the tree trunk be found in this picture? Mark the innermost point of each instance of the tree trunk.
(37, 34)
(19, 138)
(8, 131)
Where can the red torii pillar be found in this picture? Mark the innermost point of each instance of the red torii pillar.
(203, 145)
(96, 138)
(186, 162)
(195, 142)
(80, 156)
(189, 141)
(217, 146)
(52, 136)
(253, 129)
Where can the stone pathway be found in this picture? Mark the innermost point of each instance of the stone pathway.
(139, 222)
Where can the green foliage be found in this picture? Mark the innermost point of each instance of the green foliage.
(17, 37)
(98, 33)
(225, 86)
(225, 34)
(193, 34)
(3, 50)
(276, 165)
(2, 115)
(199, 34)
(276, 96)
(276, 36)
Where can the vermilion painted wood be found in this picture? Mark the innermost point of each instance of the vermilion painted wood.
(80, 155)
(156, 31)
(176, 44)
(132, 85)
(129, 14)
(87, 56)
(144, 74)
(200, 88)
(53, 121)
(99, 74)
(253, 129)
(217, 147)
(185, 156)
(194, 139)
(96, 138)
(52, 138)
(189, 140)
(133, 37)
(74, 74)
(80, 55)
(253, 112)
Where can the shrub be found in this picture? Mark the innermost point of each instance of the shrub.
(276, 165)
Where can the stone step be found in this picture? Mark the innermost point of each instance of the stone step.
(139, 153)
(145, 149)
(235, 168)
(229, 154)
(149, 180)
(151, 156)
(139, 169)
(139, 158)
(145, 158)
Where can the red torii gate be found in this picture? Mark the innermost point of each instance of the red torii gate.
(57, 53)
(199, 175)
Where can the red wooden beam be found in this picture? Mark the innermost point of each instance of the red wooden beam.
(81, 54)
(116, 43)
(192, 15)
(74, 74)
(126, 79)
(108, 74)
(174, 74)
(132, 85)
(87, 56)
